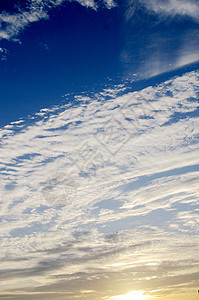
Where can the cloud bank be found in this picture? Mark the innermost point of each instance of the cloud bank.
(133, 157)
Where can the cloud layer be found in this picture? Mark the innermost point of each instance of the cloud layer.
(133, 219)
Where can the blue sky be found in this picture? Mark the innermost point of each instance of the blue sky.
(72, 48)
(75, 50)
(99, 132)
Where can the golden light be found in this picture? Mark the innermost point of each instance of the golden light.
(135, 295)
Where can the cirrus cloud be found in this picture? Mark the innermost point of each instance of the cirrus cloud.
(168, 8)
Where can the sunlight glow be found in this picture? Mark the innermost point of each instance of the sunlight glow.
(135, 295)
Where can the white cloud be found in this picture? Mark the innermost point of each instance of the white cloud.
(110, 3)
(3, 54)
(160, 49)
(187, 59)
(130, 207)
(168, 8)
(12, 23)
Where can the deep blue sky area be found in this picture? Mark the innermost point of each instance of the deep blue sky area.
(78, 49)
(74, 50)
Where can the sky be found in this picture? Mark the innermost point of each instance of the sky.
(99, 164)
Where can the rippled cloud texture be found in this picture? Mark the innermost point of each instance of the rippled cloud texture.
(132, 223)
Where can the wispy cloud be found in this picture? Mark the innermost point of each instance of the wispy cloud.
(168, 8)
(3, 54)
(11, 24)
(155, 42)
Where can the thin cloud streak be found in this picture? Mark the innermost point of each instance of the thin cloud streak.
(168, 8)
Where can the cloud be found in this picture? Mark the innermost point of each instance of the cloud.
(168, 8)
(11, 24)
(131, 295)
(3, 54)
(133, 156)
